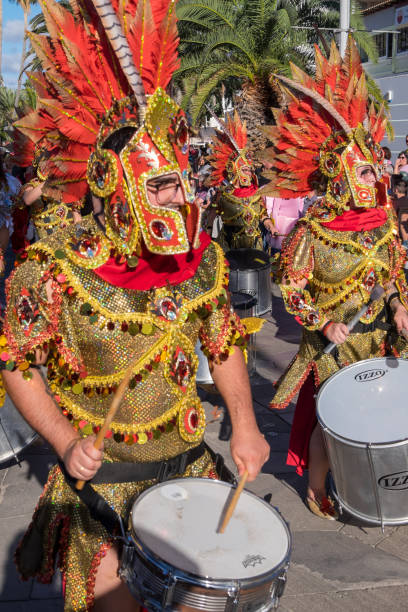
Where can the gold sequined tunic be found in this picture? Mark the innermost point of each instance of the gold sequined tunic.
(341, 267)
(240, 217)
(93, 331)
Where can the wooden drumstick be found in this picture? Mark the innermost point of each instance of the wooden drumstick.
(117, 398)
(234, 500)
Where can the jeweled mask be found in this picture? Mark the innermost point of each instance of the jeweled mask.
(240, 170)
(156, 146)
(339, 161)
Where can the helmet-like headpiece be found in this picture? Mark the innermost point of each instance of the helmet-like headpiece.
(106, 120)
(230, 158)
(328, 128)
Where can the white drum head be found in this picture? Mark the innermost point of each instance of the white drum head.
(366, 402)
(177, 521)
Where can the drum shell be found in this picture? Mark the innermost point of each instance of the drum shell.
(359, 471)
(151, 579)
(361, 410)
(159, 585)
(255, 281)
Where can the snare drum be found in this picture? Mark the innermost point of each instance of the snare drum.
(179, 559)
(362, 410)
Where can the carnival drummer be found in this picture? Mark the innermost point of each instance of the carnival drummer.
(136, 284)
(345, 245)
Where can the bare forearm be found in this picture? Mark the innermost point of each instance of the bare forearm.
(249, 449)
(34, 401)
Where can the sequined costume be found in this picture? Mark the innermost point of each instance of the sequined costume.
(238, 203)
(92, 329)
(347, 243)
(341, 268)
(142, 290)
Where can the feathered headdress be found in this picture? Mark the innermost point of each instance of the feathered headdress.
(106, 69)
(328, 128)
(229, 152)
(92, 59)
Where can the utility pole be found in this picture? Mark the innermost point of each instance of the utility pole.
(344, 24)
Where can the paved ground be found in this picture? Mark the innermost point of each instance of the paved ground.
(341, 566)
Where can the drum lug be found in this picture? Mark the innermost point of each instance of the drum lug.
(126, 563)
(280, 587)
(168, 591)
(233, 598)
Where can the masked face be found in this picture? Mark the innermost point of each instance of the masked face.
(152, 198)
(240, 171)
(361, 176)
(354, 172)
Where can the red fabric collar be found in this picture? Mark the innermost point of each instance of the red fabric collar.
(245, 192)
(358, 220)
(154, 270)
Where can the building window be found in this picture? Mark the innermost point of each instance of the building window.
(381, 42)
(402, 40)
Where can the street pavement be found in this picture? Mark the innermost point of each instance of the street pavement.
(337, 565)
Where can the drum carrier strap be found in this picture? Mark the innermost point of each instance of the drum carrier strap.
(160, 471)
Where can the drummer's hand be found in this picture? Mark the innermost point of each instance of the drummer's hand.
(81, 459)
(249, 451)
(337, 333)
(400, 316)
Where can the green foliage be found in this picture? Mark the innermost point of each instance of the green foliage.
(224, 39)
(8, 115)
(234, 46)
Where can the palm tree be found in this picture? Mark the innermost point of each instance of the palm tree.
(240, 44)
(247, 41)
(26, 6)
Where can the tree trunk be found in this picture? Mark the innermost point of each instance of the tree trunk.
(26, 9)
(254, 106)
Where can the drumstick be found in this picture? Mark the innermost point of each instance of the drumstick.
(375, 295)
(234, 500)
(117, 398)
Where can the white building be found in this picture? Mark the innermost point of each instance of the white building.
(391, 71)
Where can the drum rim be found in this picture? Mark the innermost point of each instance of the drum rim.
(18, 449)
(264, 266)
(219, 583)
(338, 436)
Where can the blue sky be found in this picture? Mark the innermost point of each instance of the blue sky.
(13, 28)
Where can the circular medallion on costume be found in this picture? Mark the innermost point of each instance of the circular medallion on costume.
(181, 368)
(87, 247)
(191, 422)
(367, 242)
(330, 164)
(160, 230)
(167, 308)
(364, 195)
(102, 173)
